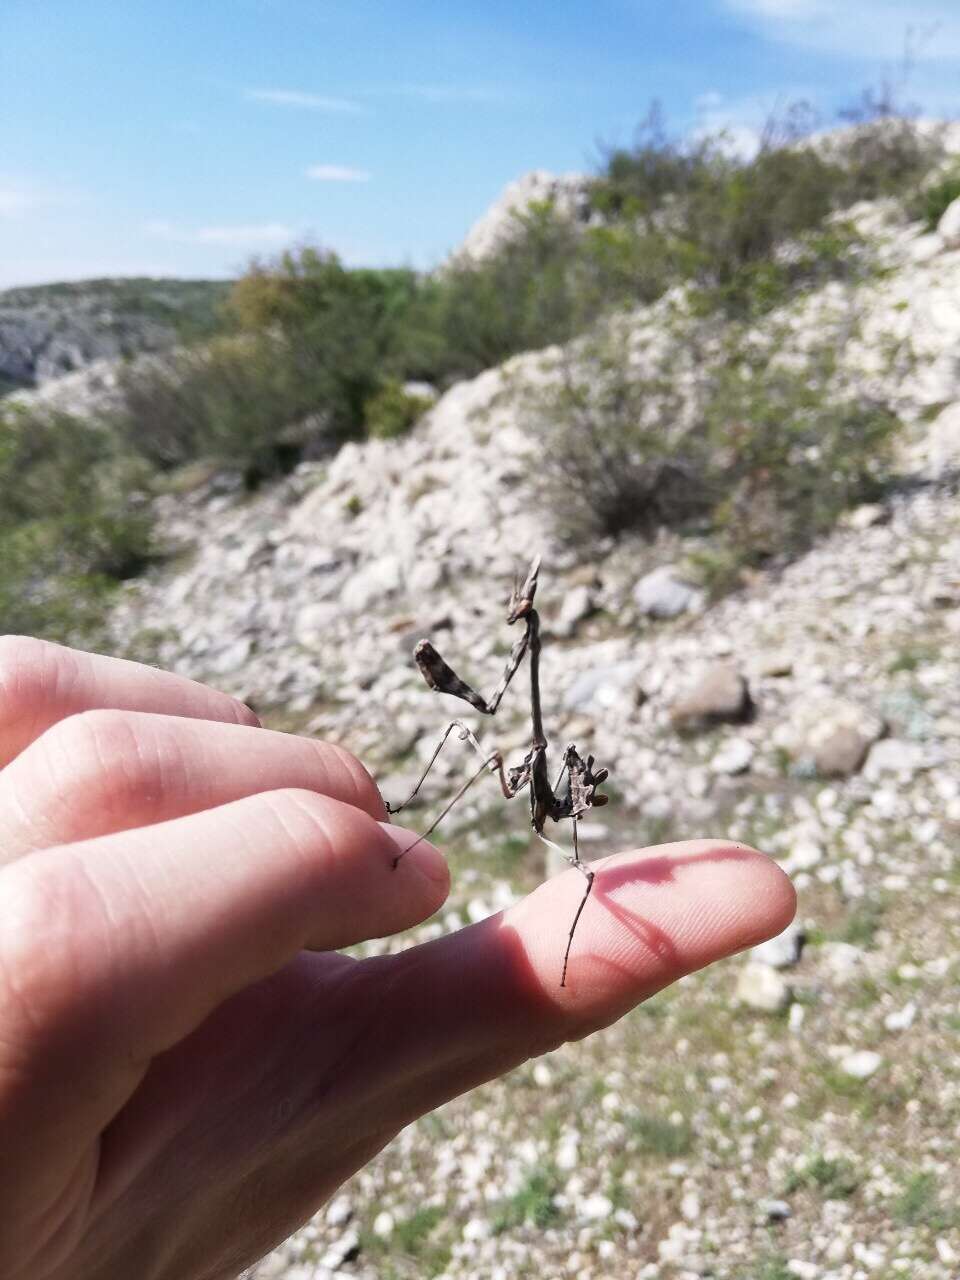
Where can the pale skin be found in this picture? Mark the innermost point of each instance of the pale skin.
(188, 1070)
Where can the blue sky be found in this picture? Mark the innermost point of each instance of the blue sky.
(179, 137)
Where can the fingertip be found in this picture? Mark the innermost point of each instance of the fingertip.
(415, 852)
(652, 916)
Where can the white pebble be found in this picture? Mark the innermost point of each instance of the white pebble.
(383, 1225)
(862, 1064)
(595, 1208)
(902, 1019)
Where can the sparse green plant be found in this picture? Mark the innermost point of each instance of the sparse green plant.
(863, 922)
(913, 656)
(835, 1179)
(658, 1136)
(534, 1204)
(415, 1248)
(919, 1202)
(392, 411)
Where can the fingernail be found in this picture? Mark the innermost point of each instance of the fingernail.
(418, 852)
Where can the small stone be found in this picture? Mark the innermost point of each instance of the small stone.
(783, 951)
(371, 585)
(841, 752)
(775, 1210)
(759, 986)
(542, 1075)
(339, 1212)
(348, 1246)
(803, 1270)
(578, 605)
(383, 1225)
(902, 1019)
(721, 694)
(866, 516)
(830, 735)
(805, 855)
(843, 960)
(734, 757)
(568, 1153)
(595, 1208)
(676, 1244)
(664, 593)
(894, 756)
(690, 1206)
(869, 1256)
(477, 1229)
(947, 1254)
(773, 664)
(861, 1065)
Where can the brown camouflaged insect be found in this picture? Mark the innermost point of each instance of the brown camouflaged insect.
(575, 790)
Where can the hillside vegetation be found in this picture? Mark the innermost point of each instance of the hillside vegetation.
(49, 330)
(309, 354)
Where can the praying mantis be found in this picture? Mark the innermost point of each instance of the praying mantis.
(575, 790)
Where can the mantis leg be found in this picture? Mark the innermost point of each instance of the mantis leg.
(465, 734)
(575, 861)
(491, 762)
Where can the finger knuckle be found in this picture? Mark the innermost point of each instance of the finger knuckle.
(99, 756)
(319, 830)
(47, 911)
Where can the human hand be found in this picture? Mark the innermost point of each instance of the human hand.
(187, 1069)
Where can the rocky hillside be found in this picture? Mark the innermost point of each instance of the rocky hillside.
(794, 1114)
(51, 330)
(569, 193)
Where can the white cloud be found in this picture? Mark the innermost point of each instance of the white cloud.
(450, 93)
(307, 101)
(741, 121)
(241, 236)
(869, 29)
(337, 173)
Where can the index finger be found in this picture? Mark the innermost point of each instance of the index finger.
(42, 683)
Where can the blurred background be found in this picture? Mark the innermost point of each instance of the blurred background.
(318, 320)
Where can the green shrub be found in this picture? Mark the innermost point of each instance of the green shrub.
(73, 522)
(534, 1204)
(932, 202)
(795, 447)
(749, 232)
(608, 455)
(754, 443)
(236, 399)
(392, 411)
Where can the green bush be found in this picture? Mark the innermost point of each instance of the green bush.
(608, 453)
(749, 232)
(795, 447)
(750, 442)
(238, 400)
(392, 411)
(73, 522)
(932, 202)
